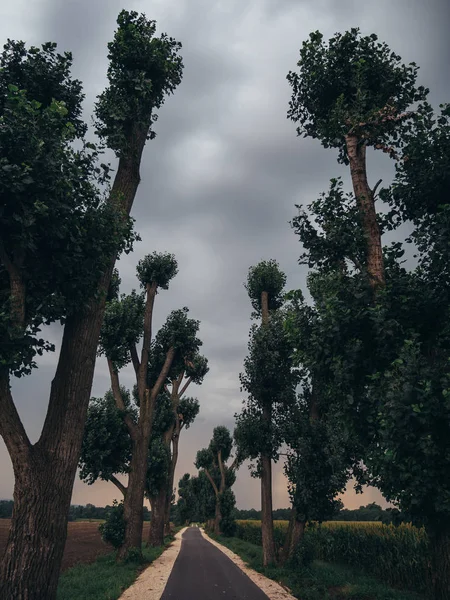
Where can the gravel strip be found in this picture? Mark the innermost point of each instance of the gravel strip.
(151, 583)
(273, 590)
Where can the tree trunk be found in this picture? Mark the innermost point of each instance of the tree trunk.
(365, 201)
(440, 562)
(133, 505)
(217, 516)
(173, 464)
(156, 531)
(45, 473)
(294, 535)
(268, 542)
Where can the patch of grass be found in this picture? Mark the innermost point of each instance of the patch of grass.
(104, 579)
(320, 581)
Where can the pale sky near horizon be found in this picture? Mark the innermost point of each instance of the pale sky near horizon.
(221, 179)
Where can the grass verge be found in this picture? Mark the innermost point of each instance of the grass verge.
(104, 579)
(320, 581)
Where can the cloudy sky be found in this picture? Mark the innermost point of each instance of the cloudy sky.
(220, 181)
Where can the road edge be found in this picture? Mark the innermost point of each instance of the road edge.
(272, 589)
(151, 583)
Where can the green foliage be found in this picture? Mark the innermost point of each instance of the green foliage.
(227, 504)
(143, 70)
(265, 277)
(353, 83)
(397, 555)
(197, 368)
(157, 268)
(106, 448)
(269, 380)
(58, 232)
(122, 328)
(221, 442)
(204, 459)
(188, 409)
(113, 530)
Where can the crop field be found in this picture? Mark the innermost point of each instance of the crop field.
(399, 555)
(83, 544)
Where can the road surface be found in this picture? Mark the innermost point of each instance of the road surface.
(203, 572)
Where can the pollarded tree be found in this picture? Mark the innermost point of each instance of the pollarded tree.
(185, 409)
(59, 244)
(161, 472)
(269, 381)
(175, 341)
(353, 93)
(212, 461)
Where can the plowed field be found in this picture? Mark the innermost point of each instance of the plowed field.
(83, 544)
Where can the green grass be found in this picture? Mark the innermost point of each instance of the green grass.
(320, 581)
(105, 579)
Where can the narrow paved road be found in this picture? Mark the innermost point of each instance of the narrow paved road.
(203, 572)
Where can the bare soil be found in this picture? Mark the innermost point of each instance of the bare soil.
(83, 545)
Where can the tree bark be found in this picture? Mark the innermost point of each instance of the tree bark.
(294, 536)
(440, 562)
(268, 542)
(173, 464)
(45, 472)
(356, 151)
(217, 516)
(156, 531)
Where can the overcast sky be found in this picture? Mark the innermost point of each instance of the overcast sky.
(220, 181)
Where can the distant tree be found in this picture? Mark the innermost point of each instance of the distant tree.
(59, 241)
(270, 385)
(212, 460)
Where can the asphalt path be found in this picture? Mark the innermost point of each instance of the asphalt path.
(203, 572)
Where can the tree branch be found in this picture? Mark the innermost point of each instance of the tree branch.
(222, 471)
(11, 427)
(164, 372)
(119, 485)
(185, 386)
(375, 188)
(208, 475)
(135, 359)
(142, 377)
(115, 386)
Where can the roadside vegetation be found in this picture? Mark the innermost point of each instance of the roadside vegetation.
(317, 579)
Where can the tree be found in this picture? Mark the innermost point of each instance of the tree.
(161, 474)
(389, 358)
(59, 247)
(126, 320)
(268, 379)
(212, 461)
(184, 410)
(351, 94)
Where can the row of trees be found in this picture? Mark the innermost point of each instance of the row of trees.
(63, 224)
(355, 382)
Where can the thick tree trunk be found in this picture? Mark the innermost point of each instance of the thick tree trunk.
(44, 473)
(294, 535)
(365, 201)
(268, 542)
(440, 561)
(156, 531)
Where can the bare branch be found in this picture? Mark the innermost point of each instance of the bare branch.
(115, 386)
(11, 427)
(143, 368)
(208, 475)
(375, 188)
(119, 485)
(164, 372)
(185, 386)
(222, 471)
(135, 359)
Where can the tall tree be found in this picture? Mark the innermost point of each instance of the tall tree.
(353, 93)
(184, 411)
(176, 341)
(269, 381)
(212, 460)
(161, 474)
(59, 245)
